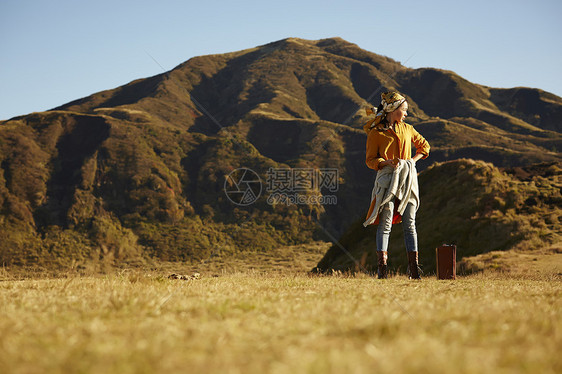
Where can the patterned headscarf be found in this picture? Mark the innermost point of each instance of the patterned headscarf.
(390, 101)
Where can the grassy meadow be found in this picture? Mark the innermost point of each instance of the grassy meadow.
(282, 321)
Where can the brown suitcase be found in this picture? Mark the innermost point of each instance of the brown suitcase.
(446, 256)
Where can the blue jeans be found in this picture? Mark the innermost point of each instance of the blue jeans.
(408, 225)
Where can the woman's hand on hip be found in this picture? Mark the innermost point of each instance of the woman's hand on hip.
(417, 157)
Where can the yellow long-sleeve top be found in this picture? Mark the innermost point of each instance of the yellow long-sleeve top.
(389, 144)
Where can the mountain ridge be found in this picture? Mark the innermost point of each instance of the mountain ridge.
(140, 169)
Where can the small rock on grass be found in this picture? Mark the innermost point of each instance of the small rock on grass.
(185, 277)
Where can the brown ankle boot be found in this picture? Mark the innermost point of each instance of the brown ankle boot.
(383, 256)
(413, 265)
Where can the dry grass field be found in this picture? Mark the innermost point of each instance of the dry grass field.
(256, 321)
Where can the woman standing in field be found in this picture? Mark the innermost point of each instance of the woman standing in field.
(395, 196)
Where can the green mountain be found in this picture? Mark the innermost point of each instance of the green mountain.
(141, 170)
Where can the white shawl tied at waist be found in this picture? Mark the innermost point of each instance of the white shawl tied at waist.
(400, 183)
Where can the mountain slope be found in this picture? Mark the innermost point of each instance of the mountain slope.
(141, 169)
(471, 204)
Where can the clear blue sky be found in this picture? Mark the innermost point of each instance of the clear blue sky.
(56, 51)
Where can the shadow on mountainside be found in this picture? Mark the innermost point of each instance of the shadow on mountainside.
(82, 137)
